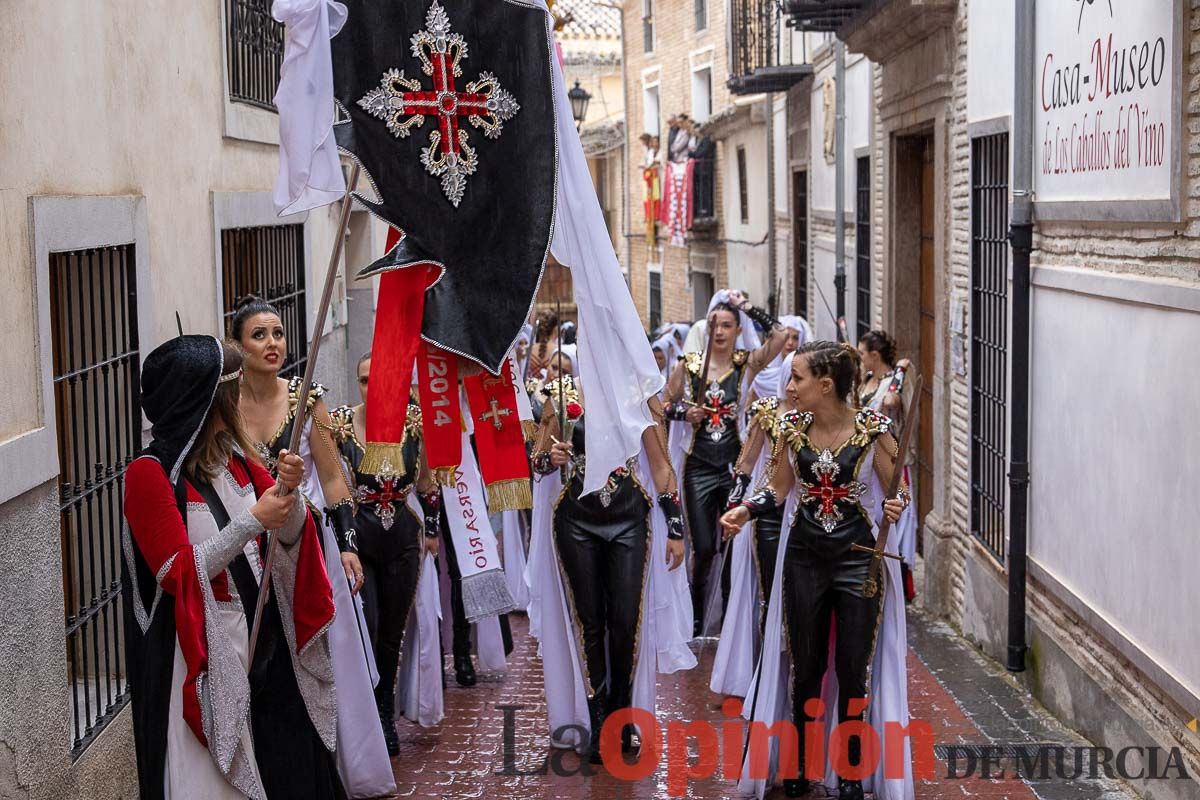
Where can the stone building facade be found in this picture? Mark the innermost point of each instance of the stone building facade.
(1112, 303)
(135, 202)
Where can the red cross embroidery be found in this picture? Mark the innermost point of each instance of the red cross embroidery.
(383, 498)
(403, 104)
(826, 494)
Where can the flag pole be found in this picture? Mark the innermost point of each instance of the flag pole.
(314, 347)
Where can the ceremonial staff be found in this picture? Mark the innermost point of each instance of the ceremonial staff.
(562, 403)
(314, 347)
(871, 585)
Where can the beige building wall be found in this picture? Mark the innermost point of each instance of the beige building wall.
(678, 48)
(127, 101)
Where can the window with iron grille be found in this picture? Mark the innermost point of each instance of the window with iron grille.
(647, 26)
(701, 14)
(269, 262)
(862, 246)
(743, 187)
(989, 338)
(98, 412)
(655, 300)
(800, 238)
(254, 41)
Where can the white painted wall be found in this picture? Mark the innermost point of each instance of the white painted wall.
(990, 38)
(1115, 456)
(747, 260)
(858, 130)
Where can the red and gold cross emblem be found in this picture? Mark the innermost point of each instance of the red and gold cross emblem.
(403, 104)
(825, 494)
(384, 499)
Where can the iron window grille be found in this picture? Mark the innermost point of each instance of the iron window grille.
(743, 187)
(269, 262)
(862, 245)
(98, 420)
(989, 339)
(701, 14)
(255, 52)
(800, 215)
(655, 300)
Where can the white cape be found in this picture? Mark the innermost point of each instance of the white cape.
(666, 621)
(770, 691)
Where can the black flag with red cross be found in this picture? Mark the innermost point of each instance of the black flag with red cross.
(448, 107)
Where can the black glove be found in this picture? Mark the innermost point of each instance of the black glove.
(761, 317)
(762, 503)
(741, 482)
(431, 505)
(340, 517)
(673, 510)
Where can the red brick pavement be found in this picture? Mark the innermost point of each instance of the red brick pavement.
(464, 756)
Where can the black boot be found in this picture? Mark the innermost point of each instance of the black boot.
(597, 712)
(849, 790)
(797, 787)
(464, 671)
(384, 701)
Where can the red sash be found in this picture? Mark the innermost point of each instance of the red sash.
(500, 440)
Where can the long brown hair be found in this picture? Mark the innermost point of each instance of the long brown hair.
(213, 447)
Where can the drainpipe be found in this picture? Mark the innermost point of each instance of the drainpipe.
(772, 298)
(839, 146)
(1021, 239)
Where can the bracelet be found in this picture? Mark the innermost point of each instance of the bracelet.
(762, 503)
(431, 504)
(541, 462)
(676, 412)
(340, 518)
(673, 510)
(741, 482)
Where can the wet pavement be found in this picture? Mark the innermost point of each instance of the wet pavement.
(968, 701)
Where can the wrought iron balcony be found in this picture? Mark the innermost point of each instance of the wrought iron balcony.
(822, 15)
(766, 57)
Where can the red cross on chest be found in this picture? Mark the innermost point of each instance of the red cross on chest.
(386, 494)
(825, 494)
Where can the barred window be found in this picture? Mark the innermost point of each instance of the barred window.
(743, 186)
(989, 339)
(800, 241)
(97, 400)
(268, 262)
(862, 246)
(254, 45)
(647, 26)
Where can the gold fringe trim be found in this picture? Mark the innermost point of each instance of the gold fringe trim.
(446, 476)
(383, 459)
(530, 429)
(510, 495)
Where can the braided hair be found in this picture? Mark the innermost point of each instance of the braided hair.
(880, 341)
(249, 306)
(839, 362)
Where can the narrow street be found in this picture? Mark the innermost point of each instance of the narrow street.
(966, 699)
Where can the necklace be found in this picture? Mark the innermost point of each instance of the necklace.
(838, 439)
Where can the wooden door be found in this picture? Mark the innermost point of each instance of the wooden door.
(928, 338)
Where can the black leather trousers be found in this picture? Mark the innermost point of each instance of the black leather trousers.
(766, 547)
(706, 490)
(391, 562)
(604, 554)
(816, 591)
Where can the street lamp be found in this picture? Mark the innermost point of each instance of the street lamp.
(579, 98)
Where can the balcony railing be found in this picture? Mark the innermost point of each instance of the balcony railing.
(821, 15)
(766, 57)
